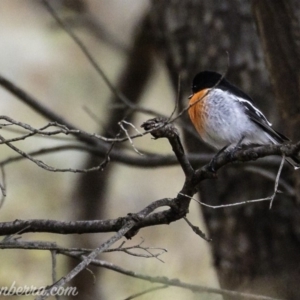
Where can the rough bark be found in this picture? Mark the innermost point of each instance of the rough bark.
(278, 25)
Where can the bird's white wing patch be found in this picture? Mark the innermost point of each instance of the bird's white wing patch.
(252, 111)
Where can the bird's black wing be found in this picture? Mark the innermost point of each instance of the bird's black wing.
(253, 113)
(259, 119)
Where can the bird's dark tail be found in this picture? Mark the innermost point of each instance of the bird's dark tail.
(294, 161)
(277, 138)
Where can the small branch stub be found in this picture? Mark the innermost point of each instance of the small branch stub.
(160, 128)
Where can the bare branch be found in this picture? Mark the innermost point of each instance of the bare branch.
(94, 226)
(160, 128)
(176, 282)
(54, 248)
(149, 161)
(230, 204)
(139, 246)
(45, 166)
(179, 205)
(42, 151)
(270, 198)
(86, 261)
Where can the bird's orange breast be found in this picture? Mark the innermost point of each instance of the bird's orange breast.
(197, 110)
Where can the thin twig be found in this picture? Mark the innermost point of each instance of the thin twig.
(3, 186)
(270, 198)
(277, 180)
(52, 247)
(43, 151)
(197, 230)
(23, 132)
(151, 290)
(128, 136)
(230, 204)
(139, 246)
(47, 167)
(177, 99)
(53, 259)
(91, 273)
(63, 129)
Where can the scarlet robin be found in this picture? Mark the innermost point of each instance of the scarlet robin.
(225, 116)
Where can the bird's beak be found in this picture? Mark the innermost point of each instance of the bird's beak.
(191, 96)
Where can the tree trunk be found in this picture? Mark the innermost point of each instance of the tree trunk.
(282, 55)
(90, 193)
(254, 248)
(278, 23)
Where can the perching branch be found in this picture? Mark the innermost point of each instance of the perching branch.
(178, 206)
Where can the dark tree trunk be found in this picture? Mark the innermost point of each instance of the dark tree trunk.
(90, 194)
(282, 54)
(254, 248)
(278, 23)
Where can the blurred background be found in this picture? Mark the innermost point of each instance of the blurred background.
(42, 59)
(142, 47)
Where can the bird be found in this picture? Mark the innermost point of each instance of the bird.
(226, 118)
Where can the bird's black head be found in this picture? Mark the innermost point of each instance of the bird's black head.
(205, 80)
(210, 79)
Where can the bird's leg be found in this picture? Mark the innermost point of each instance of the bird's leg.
(211, 165)
(236, 147)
